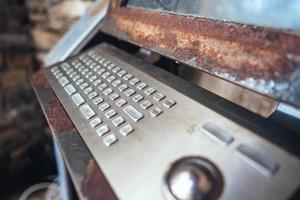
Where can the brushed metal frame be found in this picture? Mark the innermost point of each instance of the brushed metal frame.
(138, 158)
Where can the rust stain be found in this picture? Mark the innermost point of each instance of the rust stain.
(40, 81)
(58, 117)
(94, 184)
(243, 50)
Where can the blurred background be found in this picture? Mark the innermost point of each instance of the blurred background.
(29, 28)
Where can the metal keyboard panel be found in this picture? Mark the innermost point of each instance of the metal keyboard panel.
(134, 159)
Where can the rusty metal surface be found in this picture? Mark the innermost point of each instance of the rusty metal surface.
(264, 60)
(87, 178)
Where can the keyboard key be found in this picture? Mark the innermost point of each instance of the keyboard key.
(78, 99)
(75, 78)
(105, 75)
(102, 86)
(122, 87)
(104, 106)
(121, 102)
(116, 83)
(95, 122)
(133, 113)
(116, 69)
(159, 96)
(154, 112)
(97, 82)
(96, 68)
(118, 121)
(146, 104)
(141, 86)
(100, 71)
(87, 90)
(92, 95)
(109, 114)
(127, 77)
(126, 130)
(149, 91)
(98, 100)
(110, 140)
(63, 81)
(137, 98)
(108, 91)
(169, 103)
(58, 75)
(102, 130)
(89, 74)
(110, 66)
(92, 78)
(87, 111)
(83, 85)
(134, 81)
(114, 96)
(121, 73)
(129, 92)
(70, 89)
(78, 82)
(111, 78)
(54, 69)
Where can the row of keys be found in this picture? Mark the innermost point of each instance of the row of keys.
(114, 75)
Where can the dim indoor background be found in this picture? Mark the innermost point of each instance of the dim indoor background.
(29, 28)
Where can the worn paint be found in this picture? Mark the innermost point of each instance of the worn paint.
(264, 60)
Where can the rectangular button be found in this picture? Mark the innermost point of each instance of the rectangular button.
(102, 130)
(102, 86)
(98, 100)
(146, 104)
(109, 114)
(122, 87)
(104, 106)
(134, 81)
(116, 83)
(159, 96)
(121, 102)
(137, 98)
(92, 95)
(149, 91)
(126, 130)
(127, 77)
(118, 121)
(70, 89)
(83, 85)
(78, 99)
(97, 82)
(95, 122)
(108, 91)
(257, 160)
(133, 113)
(114, 96)
(169, 103)
(154, 112)
(110, 140)
(111, 78)
(78, 82)
(121, 73)
(216, 133)
(87, 90)
(63, 81)
(129, 92)
(87, 111)
(116, 69)
(141, 86)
